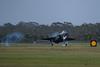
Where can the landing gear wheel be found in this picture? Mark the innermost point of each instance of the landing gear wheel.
(51, 44)
(65, 44)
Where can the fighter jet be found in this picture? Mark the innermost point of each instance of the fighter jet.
(58, 37)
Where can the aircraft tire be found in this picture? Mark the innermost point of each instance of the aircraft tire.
(51, 44)
(65, 44)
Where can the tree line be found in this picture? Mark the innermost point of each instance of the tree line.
(34, 31)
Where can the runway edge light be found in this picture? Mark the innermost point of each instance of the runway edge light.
(93, 43)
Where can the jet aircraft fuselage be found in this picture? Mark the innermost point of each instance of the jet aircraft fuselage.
(59, 37)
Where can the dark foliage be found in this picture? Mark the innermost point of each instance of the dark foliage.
(34, 31)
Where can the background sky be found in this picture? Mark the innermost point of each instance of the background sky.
(48, 11)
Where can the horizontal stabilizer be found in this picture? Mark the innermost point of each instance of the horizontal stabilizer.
(68, 39)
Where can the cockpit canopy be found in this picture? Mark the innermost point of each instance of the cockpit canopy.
(55, 34)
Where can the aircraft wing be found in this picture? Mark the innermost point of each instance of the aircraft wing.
(68, 39)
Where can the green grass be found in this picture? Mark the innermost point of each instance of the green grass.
(45, 56)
